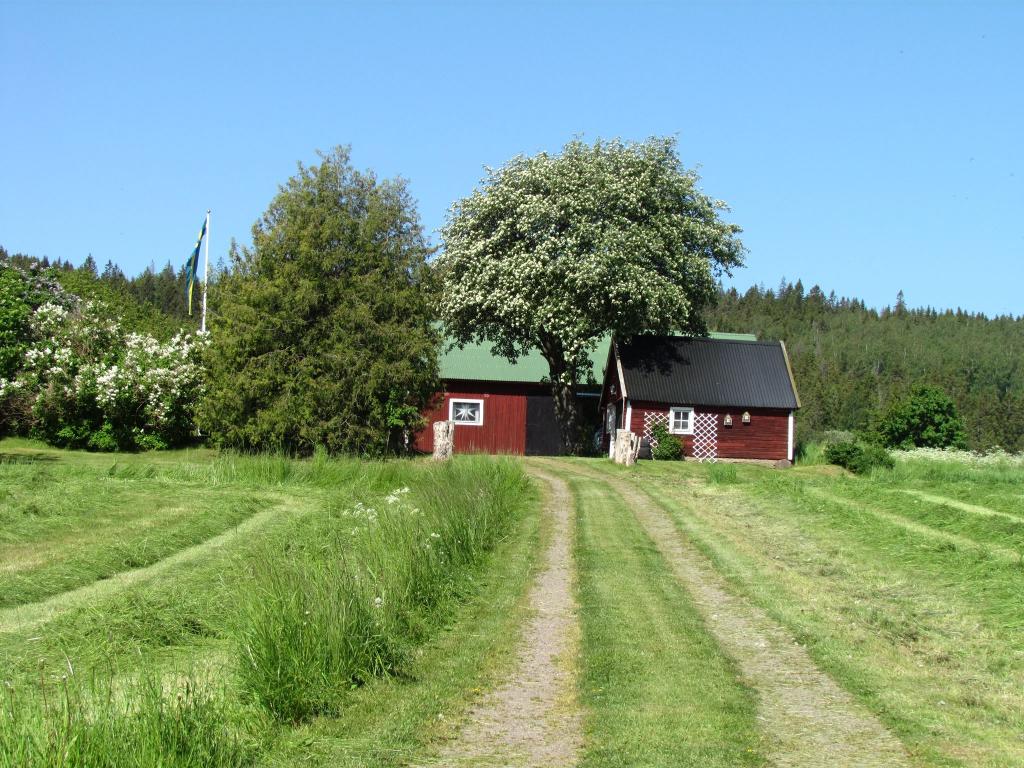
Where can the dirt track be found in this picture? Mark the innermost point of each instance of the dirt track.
(532, 720)
(807, 719)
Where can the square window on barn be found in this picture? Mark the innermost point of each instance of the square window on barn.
(680, 421)
(466, 412)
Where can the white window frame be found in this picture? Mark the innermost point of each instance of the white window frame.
(671, 420)
(451, 411)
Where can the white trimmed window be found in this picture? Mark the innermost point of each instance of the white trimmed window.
(469, 412)
(680, 421)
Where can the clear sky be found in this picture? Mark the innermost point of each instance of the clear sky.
(867, 147)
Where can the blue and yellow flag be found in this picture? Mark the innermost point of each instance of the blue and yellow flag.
(192, 268)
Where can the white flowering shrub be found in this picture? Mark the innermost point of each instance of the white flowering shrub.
(86, 382)
(994, 457)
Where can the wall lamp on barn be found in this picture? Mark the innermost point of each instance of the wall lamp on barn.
(746, 417)
(727, 421)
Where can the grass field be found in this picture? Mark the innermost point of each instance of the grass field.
(657, 689)
(904, 586)
(189, 609)
(195, 609)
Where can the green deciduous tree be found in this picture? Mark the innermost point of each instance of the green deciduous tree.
(320, 332)
(553, 252)
(926, 418)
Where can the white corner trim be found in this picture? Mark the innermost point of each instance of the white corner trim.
(789, 448)
(629, 416)
(622, 378)
(451, 411)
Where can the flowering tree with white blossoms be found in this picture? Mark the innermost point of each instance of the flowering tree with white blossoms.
(553, 252)
(85, 381)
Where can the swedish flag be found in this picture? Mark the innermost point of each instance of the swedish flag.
(192, 268)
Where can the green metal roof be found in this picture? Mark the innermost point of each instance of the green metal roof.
(474, 362)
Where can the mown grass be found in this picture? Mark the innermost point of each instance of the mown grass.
(65, 524)
(656, 688)
(204, 615)
(998, 485)
(914, 607)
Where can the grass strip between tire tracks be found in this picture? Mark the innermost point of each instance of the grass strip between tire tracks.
(655, 687)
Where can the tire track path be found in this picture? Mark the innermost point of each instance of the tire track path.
(807, 719)
(532, 720)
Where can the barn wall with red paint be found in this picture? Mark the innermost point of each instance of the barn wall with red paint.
(765, 437)
(504, 427)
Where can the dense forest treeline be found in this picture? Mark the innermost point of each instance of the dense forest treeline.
(152, 301)
(850, 361)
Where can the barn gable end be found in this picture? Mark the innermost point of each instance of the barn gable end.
(734, 399)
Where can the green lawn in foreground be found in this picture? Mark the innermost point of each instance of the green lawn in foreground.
(656, 689)
(914, 607)
(181, 629)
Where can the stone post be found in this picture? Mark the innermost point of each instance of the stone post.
(627, 446)
(444, 440)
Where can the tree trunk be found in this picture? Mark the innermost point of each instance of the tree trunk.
(563, 389)
(568, 417)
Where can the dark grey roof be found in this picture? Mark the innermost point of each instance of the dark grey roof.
(701, 371)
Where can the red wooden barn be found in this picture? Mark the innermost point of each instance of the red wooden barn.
(729, 389)
(502, 407)
(726, 398)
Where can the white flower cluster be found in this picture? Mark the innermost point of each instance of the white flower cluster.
(396, 495)
(996, 456)
(552, 251)
(361, 512)
(81, 360)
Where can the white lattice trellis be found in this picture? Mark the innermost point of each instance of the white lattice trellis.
(651, 418)
(705, 437)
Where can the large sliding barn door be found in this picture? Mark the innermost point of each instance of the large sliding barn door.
(543, 437)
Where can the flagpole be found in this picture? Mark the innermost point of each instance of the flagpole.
(206, 273)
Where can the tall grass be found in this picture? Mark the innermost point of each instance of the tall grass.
(810, 454)
(723, 474)
(70, 724)
(348, 594)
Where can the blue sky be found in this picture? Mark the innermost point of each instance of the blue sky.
(867, 147)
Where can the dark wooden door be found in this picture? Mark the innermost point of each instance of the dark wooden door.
(543, 438)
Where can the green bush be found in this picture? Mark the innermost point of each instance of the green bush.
(859, 458)
(926, 418)
(103, 439)
(147, 441)
(664, 445)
